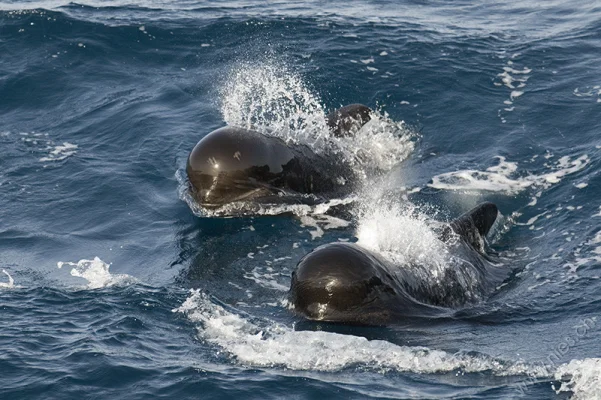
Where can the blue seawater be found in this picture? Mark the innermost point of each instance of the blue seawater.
(112, 287)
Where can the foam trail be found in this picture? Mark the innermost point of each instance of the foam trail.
(96, 272)
(515, 80)
(267, 277)
(268, 344)
(498, 178)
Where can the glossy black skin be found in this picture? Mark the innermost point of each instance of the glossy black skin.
(344, 282)
(347, 120)
(234, 164)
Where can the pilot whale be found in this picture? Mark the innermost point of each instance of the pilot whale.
(344, 282)
(234, 164)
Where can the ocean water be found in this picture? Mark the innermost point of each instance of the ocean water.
(113, 286)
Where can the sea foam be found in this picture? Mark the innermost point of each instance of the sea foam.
(96, 272)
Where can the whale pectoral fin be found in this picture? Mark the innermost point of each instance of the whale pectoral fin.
(475, 224)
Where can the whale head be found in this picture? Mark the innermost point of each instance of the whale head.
(234, 164)
(341, 282)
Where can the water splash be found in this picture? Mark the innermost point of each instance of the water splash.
(581, 377)
(272, 99)
(415, 243)
(379, 145)
(11, 282)
(96, 272)
(405, 235)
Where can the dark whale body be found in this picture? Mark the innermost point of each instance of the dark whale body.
(234, 164)
(344, 282)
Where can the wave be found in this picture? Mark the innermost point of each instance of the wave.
(553, 18)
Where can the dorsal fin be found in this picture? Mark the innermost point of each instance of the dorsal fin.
(479, 219)
(482, 216)
(347, 120)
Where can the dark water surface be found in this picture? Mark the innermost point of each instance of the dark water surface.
(101, 102)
